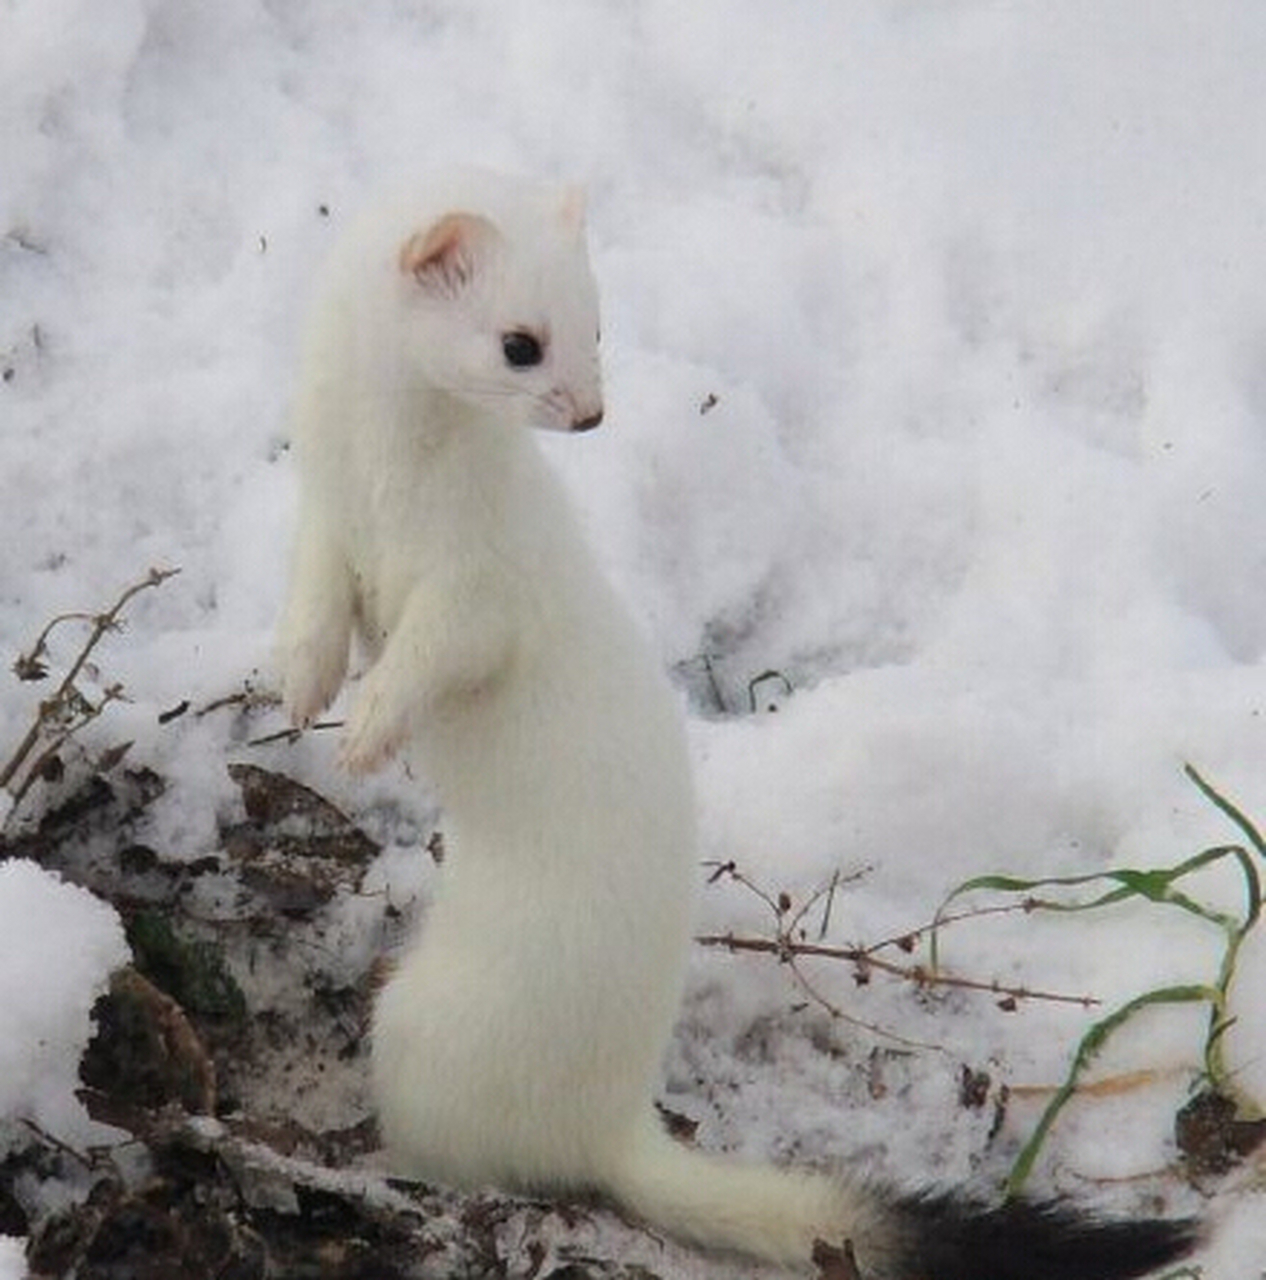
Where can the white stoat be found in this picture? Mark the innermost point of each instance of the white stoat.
(518, 1042)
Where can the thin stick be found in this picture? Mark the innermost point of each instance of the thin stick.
(292, 734)
(113, 694)
(786, 948)
(1108, 1087)
(836, 1012)
(101, 624)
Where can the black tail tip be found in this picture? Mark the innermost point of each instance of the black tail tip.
(953, 1239)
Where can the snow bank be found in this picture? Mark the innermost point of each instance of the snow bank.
(58, 947)
(12, 1259)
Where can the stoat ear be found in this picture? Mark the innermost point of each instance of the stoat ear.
(572, 210)
(446, 257)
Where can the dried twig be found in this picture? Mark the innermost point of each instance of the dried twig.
(789, 944)
(788, 950)
(248, 698)
(67, 710)
(293, 734)
(1109, 1087)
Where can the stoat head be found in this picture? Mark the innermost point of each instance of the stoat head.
(503, 313)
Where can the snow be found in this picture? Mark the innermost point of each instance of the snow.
(58, 946)
(12, 1259)
(936, 359)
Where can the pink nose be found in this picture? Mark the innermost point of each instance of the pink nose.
(587, 423)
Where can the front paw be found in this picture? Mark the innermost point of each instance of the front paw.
(313, 672)
(375, 731)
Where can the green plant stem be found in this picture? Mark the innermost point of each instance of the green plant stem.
(1091, 1043)
(1160, 886)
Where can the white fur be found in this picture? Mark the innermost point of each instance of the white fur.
(520, 1039)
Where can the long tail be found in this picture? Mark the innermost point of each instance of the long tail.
(778, 1215)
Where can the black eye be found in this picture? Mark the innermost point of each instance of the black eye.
(522, 350)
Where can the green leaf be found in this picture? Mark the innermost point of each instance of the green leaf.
(1091, 1044)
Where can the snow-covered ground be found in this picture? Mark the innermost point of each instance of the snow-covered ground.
(936, 359)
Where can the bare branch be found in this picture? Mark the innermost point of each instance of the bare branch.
(787, 949)
(790, 945)
(67, 703)
(292, 734)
